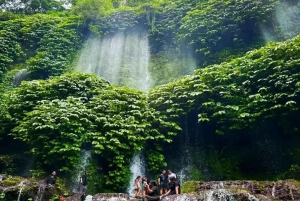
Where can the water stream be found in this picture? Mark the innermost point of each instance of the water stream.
(89, 198)
(39, 196)
(137, 168)
(21, 188)
(80, 170)
(121, 58)
(20, 76)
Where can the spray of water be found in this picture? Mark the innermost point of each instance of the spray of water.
(89, 198)
(41, 190)
(121, 58)
(218, 192)
(288, 19)
(137, 168)
(81, 168)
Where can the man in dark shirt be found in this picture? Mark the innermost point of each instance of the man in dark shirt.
(51, 179)
(83, 183)
(163, 182)
(152, 192)
(174, 187)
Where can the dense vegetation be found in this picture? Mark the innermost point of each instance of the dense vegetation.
(230, 120)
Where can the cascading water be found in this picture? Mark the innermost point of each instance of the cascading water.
(89, 198)
(121, 58)
(287, 17)
(39, 196)
(219, 193)
(21, 185)
(20, 76)
(137, 168)
(80, 170)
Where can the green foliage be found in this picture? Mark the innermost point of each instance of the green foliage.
(56, 51)
(92, 9)
(56, 116)
(49, 43)
(26, 97)
(30, 6)
(10, 49)
(189, 187)
(238, 98)
(215, 25)
(12, 181)
(234, 94)
(124, 123)
(64, 125)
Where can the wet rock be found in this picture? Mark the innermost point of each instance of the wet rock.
(249, 190)
(26, 188)
(112, 197)
(182, 197)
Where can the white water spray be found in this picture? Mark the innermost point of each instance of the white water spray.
(89, 198)
(80, 170)
(41, 191)
(121, 58)
(137, 168)
(21, 185)
(219, 193)
(288, 19)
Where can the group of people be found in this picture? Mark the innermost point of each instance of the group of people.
(51, 180)
(166, 184)
(152, 190)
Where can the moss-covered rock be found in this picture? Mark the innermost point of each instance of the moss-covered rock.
(189, 187)
(12, 181)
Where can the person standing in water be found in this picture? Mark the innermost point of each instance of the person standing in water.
(163, 182)
(83, 183)
(137, 188)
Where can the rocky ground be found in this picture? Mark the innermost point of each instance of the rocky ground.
(26, 189)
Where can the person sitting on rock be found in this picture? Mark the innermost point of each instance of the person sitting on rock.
(152, 192)
(174, 187)
(144, 182)
(51, 179)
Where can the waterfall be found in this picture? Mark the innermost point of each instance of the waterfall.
(81, 168)
(121, 58)
(30, 165)
(287, 17)
(89, 198)
(39, 196)
(219, 193)
(137, 168)
(20, 76)
(21, 188)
